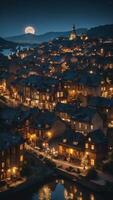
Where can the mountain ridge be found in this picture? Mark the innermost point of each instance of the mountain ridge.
(101, 31)
(6, 44)
(30, 38)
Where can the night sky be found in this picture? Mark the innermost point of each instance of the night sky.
(52, 15)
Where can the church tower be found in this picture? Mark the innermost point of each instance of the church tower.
(73, 34)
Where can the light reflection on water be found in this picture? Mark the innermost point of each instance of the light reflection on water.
(64, 190)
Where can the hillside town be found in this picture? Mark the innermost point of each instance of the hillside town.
(56, 102)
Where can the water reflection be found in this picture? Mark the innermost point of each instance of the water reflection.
(45, 193)
(63, 190)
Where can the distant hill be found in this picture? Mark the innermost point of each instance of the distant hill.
(104, 31)
(35, 39)
(23, 39)
(4, 44)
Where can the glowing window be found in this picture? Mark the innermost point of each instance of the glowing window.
(21, 158)
(86, 145)
(92, 162)
(91, 127)
(92, 147)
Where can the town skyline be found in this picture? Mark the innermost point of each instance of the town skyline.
(52, 15)
(56, 99)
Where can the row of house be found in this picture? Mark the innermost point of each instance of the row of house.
(86, 151)
(12, 145)
(11, 155)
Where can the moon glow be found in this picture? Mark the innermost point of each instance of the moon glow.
(29, 29)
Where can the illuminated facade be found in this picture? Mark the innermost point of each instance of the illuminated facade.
(45, 127)
(96, 148)
(85, 152)
(73, 35)
(11, 156)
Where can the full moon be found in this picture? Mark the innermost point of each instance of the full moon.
(29, 29)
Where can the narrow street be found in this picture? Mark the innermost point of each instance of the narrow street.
(64, 165)
(60, 163)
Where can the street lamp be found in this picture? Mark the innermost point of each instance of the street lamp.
(49, 134)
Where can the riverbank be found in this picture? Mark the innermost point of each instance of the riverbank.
(44, 171)
(97, 186)
(39, 174)
(32, 182)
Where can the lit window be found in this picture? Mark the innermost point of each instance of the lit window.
(91, 127)
(61, 94)
(64, 140)
(58, 95)
(47, 97)
(92, 197)
(92, 162)
(21, 158)
(86, 127)
(86, 145)
(21, 147)
(49, 134)
(71, 151)
(60, 149)
(89, 139)
(79, 125)
(92, 147)
(3, 164)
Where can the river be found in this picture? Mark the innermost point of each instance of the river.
(59, 189)
(64, 190)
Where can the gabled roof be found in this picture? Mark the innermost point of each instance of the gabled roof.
(9, 139)
(84, 114)
(13, 116)
(69, 75)
(97, 137)
(44, 120)
(38, 82)
(91, 80)
(100, 102)
(66, 108)
(74, 139)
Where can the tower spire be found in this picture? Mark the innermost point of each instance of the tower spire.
(73, 34)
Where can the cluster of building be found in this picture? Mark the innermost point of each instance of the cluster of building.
(64, 89)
